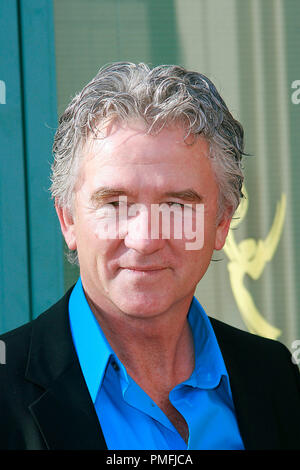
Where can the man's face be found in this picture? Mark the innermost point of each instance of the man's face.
(137, 274)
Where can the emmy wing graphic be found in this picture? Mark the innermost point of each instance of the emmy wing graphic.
(250, 257)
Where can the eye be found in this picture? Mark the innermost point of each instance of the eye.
(113, 203)
(176, 205)
(108, 208)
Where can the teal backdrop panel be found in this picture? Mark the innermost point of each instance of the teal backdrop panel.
(14, 266)
(31, 271)
(40, 116)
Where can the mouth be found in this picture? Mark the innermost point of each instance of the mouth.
(144, 270)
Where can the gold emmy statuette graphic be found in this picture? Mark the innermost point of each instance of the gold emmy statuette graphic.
(250, 257)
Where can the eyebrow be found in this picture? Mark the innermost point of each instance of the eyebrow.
(186, 195)
(104, 193)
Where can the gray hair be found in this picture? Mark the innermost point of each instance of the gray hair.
(161, 96)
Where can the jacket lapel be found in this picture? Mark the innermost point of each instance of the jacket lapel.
(64, 411)
(254, 412)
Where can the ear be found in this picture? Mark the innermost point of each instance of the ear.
(67, 225)
(223, 228)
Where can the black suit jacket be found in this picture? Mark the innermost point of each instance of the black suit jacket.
(45, 403)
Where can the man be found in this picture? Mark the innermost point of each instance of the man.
(128, 359)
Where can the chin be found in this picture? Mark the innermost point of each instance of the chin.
(143, 305)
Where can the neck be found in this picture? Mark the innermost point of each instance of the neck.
(156, 350)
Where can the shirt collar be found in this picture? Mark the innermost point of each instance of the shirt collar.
(94, 352)
(92, 347)
(209, 363)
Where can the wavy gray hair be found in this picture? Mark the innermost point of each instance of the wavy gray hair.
(161, 96)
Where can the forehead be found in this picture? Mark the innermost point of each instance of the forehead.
(126, 154)
(131, 143)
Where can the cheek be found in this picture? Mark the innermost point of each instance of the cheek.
(196, 248)
(198, 231)
(188, 259)
(92, 247)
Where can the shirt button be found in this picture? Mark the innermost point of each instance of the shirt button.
(115, 366)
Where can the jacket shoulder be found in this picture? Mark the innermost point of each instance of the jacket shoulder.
(265, 385)
(228, 334)
(260, 357)
(19, 389)
(17, 342)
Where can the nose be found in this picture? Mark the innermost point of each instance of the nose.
(139, 236)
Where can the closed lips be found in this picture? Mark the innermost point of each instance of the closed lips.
(146, 268)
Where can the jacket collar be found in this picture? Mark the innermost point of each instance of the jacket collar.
(64, 411)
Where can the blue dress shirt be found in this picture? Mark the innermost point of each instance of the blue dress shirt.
(128, 417)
